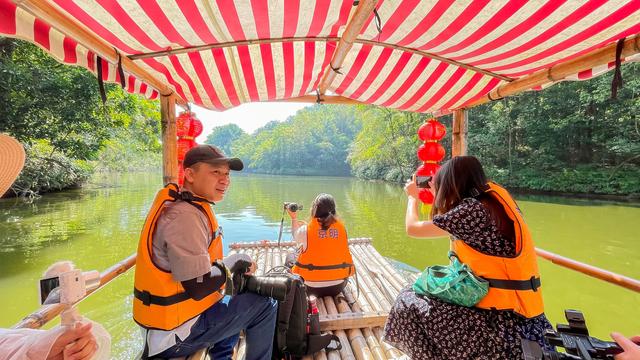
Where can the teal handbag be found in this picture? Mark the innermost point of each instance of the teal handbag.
(455, 283)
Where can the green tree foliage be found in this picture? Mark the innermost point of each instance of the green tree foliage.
(571, 137)
(315, 141)
(56, 112)
(41, 98)
(224, 136)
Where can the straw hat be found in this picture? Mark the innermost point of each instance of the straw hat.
(11, 161)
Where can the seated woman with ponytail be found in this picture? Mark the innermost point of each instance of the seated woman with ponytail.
(323, 258)
(487, 233)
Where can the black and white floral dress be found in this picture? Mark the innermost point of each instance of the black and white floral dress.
(427, 328)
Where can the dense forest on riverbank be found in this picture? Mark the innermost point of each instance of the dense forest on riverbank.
(570, 138)
(56, 112)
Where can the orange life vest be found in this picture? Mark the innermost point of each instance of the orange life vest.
(514, 283)
(159, 301)
(327, 256)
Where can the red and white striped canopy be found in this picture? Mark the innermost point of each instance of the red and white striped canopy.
(424, 56)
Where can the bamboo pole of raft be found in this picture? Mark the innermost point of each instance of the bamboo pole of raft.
(363, 304)
(356, 341)
(331, 355)
(47, 312)
(393, 276)
(372, 342)
(346, 352)
(617, 279)
(382, 270)
(374, 302)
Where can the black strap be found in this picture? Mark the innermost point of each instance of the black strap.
(147, 298)
(188, 197)
(617, 83)
(323, 267)
(531, 284)
(121, 71)
(103, 94)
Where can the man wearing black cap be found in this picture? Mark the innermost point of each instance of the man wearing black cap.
(184, 247)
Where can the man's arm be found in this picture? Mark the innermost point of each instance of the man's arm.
(200, 287)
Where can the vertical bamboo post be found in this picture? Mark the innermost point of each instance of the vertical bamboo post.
(459, 136)
(169, 139)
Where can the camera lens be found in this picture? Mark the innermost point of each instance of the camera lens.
(271, 286)
(293, 207)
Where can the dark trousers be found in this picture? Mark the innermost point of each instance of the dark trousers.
(218, 328)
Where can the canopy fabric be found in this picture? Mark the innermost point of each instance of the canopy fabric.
(15, 22)
(424, 56)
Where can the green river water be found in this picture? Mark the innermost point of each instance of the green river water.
(99, 225)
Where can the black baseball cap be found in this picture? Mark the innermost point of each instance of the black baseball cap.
(211, 155)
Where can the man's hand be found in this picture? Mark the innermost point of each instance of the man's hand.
(630, 346)
(77, 343)
(292, 214)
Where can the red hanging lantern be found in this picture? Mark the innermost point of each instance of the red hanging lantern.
(431, 151)
(427, 169)
(196, 127)
(425, 196)
(183, 124)
(183, 146)
(432, 130)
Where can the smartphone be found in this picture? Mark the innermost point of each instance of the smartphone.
(46, 286)
(423, 181)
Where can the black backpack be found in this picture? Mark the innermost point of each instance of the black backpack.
(296, 333)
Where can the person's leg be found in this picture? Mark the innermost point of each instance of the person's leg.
(224, 349)
(219, 326)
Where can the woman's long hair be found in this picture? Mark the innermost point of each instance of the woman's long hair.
(463, 177)
(323, 209)
(459, 178)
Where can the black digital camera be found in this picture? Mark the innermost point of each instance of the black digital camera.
(270, 285)
(574, 338)
(293, 207)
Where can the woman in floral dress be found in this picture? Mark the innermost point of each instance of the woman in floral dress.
(428, 328)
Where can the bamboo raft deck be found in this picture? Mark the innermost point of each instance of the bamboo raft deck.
(357, 319)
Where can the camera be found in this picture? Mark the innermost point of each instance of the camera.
(68, 287)
(423, 181)
(293, 207)
(274, 286)
(574, 338)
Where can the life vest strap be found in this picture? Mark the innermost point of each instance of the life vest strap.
(324, 267)
(532, 284)
(148, 299)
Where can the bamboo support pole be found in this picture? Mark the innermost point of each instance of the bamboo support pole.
(374, 347)
(358, 343)
(560, 71)
(363, 305)
(169, 140)
(617, 279)
(392, 275)
(346, 352)
(351, 32)
(50, 14)
(47, 312)
(331, 355)
(459, 136)
(380, 270)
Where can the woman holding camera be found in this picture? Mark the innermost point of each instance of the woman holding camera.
(489, 235)
(323, 257)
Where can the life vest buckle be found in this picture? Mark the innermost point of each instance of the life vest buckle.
(145, 297)
(534, 284)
